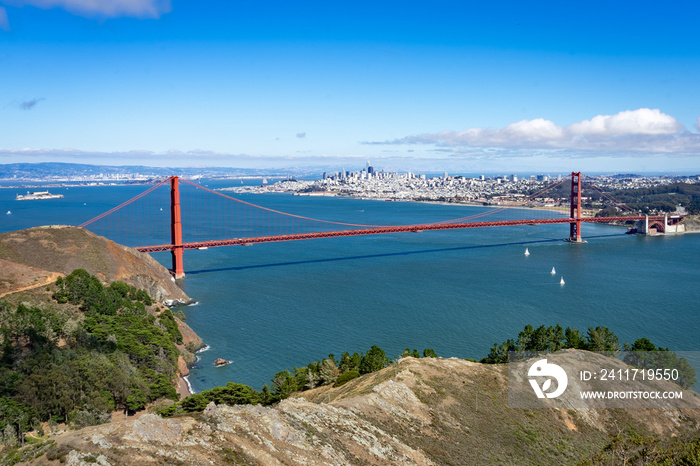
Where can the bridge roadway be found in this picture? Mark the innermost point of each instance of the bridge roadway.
(381, 230)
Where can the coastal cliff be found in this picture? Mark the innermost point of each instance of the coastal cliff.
(419, 411)
(32, 260)
(62, 249)
(692, 223)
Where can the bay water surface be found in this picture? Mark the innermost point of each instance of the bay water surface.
(270, 307)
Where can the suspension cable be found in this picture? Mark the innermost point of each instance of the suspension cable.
(610, 197)
(124, 204)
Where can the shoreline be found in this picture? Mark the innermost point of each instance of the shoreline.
(398, 199)
(191, 339)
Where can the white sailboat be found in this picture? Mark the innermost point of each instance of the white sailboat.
(9, 213)
(561, 282)
(553, 272)
(527, 253)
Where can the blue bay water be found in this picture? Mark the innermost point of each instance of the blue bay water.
(273, 306)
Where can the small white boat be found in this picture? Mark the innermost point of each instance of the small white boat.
(9, 213)
(553, 272)
(203, 248)
(561, 282)
(527, 253)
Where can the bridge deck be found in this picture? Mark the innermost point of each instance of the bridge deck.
(382, 230)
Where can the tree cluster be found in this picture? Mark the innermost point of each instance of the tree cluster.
(555, 338)
(645, 355)
(231, 394)
(663, 198)
(79, 366)
(324, 372)
(329, 371)
(642, 353)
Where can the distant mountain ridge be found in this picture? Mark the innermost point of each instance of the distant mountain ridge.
(74, 171)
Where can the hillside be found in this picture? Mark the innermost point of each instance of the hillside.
(19, 277)
(63, 249)
(418, 411)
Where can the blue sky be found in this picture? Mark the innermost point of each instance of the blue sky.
(500, 86)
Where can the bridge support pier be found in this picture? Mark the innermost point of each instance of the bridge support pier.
(178, 270)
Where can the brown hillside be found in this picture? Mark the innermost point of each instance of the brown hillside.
(417, 411)
(63, 249)
(19, 277)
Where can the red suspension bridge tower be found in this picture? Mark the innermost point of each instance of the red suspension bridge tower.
(575, 213)
(176, 228)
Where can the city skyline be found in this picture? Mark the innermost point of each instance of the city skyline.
(451, 86)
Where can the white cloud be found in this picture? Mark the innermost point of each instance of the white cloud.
(4, 22)
(104, 8)
(642, 121)
(534, 130)
(631, 132)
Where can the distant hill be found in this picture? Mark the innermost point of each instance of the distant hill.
(48, 170)
(65, 248)
(56, 171)
(420, 411)
(663, 198)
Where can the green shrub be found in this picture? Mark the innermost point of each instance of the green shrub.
(346, 377)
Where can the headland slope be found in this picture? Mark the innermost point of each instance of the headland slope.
(62, 249)
(418, 411)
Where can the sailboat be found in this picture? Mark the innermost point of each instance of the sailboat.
(527, 253)
(553, 272)
(561, 282)
(9, 213)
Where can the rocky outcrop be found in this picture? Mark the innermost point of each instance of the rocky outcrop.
(65, 248)
(692, 223)
(190, 340)
(418, 411)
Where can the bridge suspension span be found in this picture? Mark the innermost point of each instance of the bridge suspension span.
(216, 219)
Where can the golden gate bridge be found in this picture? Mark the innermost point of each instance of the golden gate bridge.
(214, 219)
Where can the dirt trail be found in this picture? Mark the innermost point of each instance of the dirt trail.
(47, 280)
